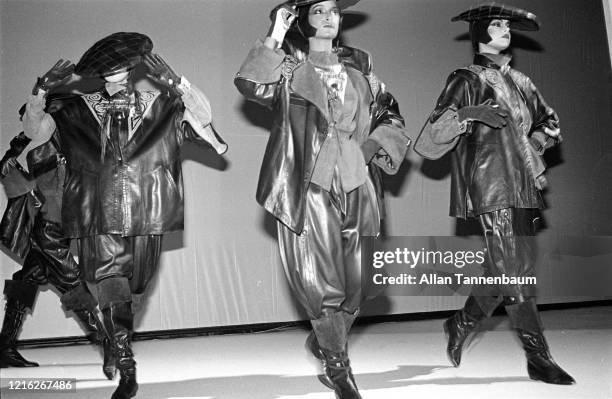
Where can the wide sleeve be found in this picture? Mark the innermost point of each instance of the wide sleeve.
(198, 115)
(38, 124)
(545, 130)
(442, 129)
(388, 132)
(260, 74)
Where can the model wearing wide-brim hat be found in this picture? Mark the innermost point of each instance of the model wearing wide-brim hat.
(496, 126)
(519, 19)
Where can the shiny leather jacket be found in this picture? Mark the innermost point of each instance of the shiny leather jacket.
(491, 167)
(34, 194)
(135, 190)
(294, 90)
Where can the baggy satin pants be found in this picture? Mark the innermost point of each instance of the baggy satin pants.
(510, 239)
(323, 263)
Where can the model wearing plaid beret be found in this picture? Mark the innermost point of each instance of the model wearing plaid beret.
(123, 188)
(496, 125)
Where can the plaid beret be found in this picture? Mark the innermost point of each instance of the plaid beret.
(116, 53)
(519, 19)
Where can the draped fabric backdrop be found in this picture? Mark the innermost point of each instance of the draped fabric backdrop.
(224, 269)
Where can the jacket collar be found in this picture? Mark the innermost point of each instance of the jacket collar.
(495, 61)
(307, 84)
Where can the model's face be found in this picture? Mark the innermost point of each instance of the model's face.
(499, 30)
(118, 77)
(324, 17)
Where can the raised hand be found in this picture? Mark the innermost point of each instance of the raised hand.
(57, 75)
(161, 72)
(282, 19)
(487, 113)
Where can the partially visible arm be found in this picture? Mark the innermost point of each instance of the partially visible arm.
(260, 74)
(546, 132)
(443, 127)
(388, 136)
(199, 115)
(37, 124)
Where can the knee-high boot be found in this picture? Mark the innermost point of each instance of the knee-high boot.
(459, 326)
(331, 334)
(313, 346)
(83, 304)
(540, 364)
(20, 297)
(119, 319)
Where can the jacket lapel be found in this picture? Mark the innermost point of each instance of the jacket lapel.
(307, 84)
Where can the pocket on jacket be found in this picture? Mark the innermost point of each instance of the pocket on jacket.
(160, 194)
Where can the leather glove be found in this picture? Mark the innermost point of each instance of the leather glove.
(282, 18)
(160, 72)
(58, 74)
(487, 113)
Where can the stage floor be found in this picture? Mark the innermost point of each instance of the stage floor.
(390, 360)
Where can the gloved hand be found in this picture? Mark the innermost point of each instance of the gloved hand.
(487, 113)
(160, 72)
(58, 74)
(282, 18)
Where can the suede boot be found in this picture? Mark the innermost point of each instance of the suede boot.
(331, 334)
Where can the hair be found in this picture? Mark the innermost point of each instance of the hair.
(478, 32)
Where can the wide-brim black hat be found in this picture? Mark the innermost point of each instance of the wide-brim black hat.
(519, 18)
(115, 53)
(342, 4)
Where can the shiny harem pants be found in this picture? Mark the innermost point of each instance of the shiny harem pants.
(323, 263)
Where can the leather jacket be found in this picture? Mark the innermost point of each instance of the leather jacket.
(294, 90)
(134, 190)
(31, 195)
(493, 169)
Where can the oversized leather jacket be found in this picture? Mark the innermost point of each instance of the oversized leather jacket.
(492, 168)
(134, 190)
(31, 195)
(294, 90)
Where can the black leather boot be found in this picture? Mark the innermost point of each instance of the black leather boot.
(83, 304)
(459, 326)
(119, 319)
(540, 364)
(20, 297)
(96, 333)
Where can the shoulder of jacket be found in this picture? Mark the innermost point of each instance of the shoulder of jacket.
(357, 58)
(520, 78)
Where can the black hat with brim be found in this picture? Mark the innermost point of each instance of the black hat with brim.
(342, 4)
(113, 54)
(519, 18)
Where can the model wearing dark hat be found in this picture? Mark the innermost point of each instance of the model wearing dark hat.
(31, 230)
(123, 188)
(320, 176)
(497, 125)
